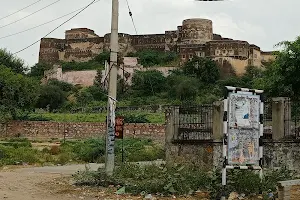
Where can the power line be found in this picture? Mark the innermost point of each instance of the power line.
(30, 14)
(57, 27)
(130, 14)
(17, 33)
(20, 10)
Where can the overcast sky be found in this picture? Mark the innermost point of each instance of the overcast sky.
(260, 22)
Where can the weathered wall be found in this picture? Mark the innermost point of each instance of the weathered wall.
(48, 130)
(196, 31)
(239, 65)
(194, 37)
(87, 77)
(228, 48)
(84, 78)
(282, 153)
(267, 56)
(254, 56)
(209, 154)
(80, 33)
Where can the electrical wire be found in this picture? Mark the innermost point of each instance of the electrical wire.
(20, 10)
(30, 14)
(57, 27)
(131, 16)
(17, 33)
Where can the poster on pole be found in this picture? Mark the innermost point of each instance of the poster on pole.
(243, 128)
(119, 128)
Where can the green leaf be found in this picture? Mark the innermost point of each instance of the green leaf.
(168, 186)
(172, 190)
(121, 191)
(180, 169)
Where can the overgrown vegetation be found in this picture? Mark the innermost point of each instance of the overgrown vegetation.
(149, 58)
(20, 151)
(199, 81)
(81, 66)
(18, 93)
(97, 63)
(183, 180)
(130, 117)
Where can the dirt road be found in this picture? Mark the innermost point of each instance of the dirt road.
(40, 184)
(50, 183)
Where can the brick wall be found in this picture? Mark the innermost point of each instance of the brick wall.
(76, 130)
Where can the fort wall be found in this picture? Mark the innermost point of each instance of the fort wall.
(86, 78)
(194, 37)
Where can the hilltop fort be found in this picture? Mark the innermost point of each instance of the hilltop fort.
(194, 37)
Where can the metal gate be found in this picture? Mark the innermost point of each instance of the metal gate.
(194, 123)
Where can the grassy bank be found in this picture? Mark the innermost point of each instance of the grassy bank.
(22, 151)
(92, 117)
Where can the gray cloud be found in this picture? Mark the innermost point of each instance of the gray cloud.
(261, 22)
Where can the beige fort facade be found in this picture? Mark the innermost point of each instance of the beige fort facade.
(194, 37)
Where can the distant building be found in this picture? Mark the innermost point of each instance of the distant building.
(194, 38)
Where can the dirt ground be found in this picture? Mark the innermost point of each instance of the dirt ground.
(20, 184)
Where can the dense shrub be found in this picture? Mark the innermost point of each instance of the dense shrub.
(136, 118)
(183, 180)
(80, 66)
(93, 150)
(51, 97)
(14, 154)
(150, 58)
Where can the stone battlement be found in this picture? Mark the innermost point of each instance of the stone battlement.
(194, 37)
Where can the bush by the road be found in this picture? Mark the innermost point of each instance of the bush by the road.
(183, 180)
(20, 151)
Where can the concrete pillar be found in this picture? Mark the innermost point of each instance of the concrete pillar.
(169, 125)
(172, 124)
(281, 115)
(218, 111)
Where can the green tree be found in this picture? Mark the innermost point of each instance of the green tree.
(9, 60)
(97, 93)
(251, 75)
(38, 70)
(148, 83)
(102, 57)
(281, 78)
(84, 97)
(80, 66)
(205, 69)
(152, 57)
(98, 79)
(51, 97)
(64, 86)
(18, 93)
(182, 87)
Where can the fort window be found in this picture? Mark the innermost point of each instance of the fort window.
(183, 56)
(191, 55)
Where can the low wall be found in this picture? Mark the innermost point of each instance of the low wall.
(209, 154)
(289, 190)
(76, 130)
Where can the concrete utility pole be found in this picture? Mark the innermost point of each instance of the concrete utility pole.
(112, 91)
